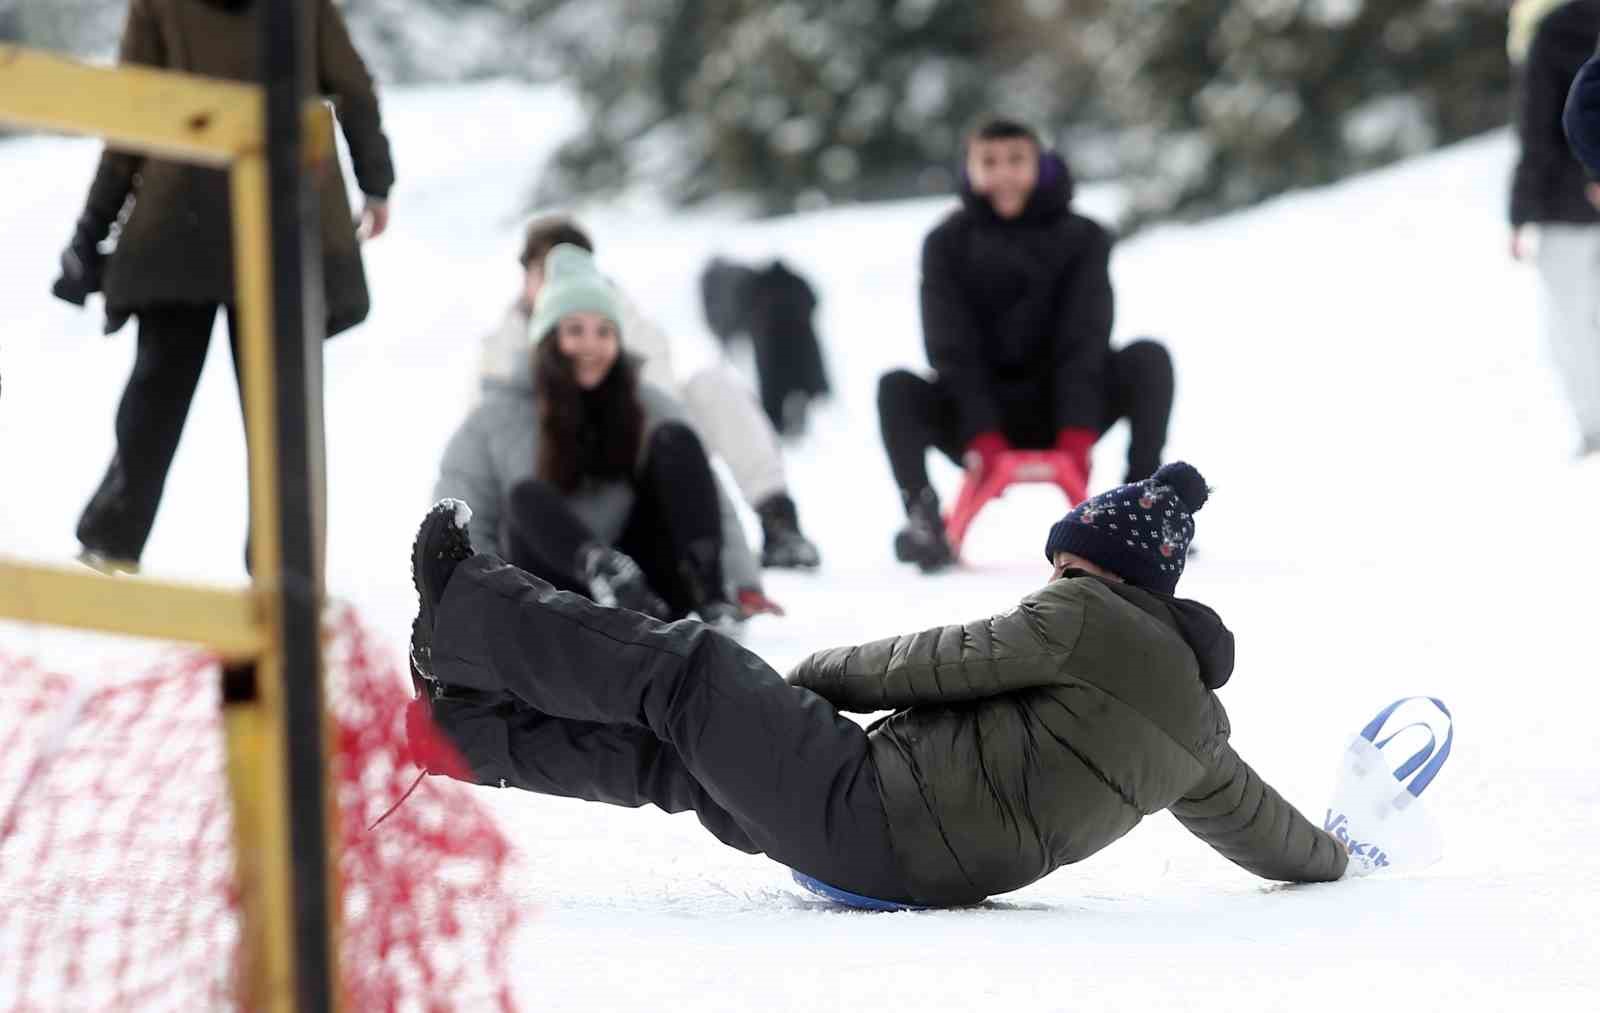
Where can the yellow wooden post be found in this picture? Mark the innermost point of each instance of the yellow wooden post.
(219, 123)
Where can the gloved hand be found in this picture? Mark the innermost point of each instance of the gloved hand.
(1076, 444)
(81, 264)
(983, 451)
(616, 581)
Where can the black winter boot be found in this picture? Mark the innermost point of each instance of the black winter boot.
(616, 581)
(442, 542)
(922, 540)
(782, 543)
(702, 577)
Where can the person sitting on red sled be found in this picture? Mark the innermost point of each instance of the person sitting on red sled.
(1016, 318)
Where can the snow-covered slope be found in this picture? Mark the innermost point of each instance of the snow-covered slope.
(1396, 512)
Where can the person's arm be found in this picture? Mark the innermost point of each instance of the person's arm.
(1540, 101)
(1580, 118)
(343, 76)
(953, 340)
(1252, 826)
(1023, 648)
(1083, 339)
(467, 473)
(141, 46)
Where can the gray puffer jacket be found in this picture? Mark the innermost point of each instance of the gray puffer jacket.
(495, 449)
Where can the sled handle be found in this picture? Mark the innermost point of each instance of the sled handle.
(1426, 769)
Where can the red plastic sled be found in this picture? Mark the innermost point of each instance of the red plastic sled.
(1011, 468)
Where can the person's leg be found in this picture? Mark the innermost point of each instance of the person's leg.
(735, 428)
(506, 743)
(171, 352)
(1570, 300)
(1140, 379)
(543, 536)
(793, 773)
(914, 415)
(675, 530)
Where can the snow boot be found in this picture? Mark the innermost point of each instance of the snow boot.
(442, 542)
(107, 564)
(922, 540)
(783, 546)
(615, 581)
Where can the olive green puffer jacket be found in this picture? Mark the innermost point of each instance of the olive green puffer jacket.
(1032, 739)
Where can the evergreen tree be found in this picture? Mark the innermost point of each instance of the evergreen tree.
(787, 104)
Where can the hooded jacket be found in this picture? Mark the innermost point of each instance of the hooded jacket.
(1017, 313)
(176, 240)
(1037, 737)
(1548, 185)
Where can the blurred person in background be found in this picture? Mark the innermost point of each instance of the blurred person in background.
(1016, 318)
(583, 473)
(722, 412)
(1551, 192)
(172, 267)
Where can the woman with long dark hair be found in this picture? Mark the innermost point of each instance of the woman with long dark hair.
(580, 473)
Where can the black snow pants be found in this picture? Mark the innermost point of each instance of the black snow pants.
(675, 525)
(548, 692)
(916, 414)
(155, 404)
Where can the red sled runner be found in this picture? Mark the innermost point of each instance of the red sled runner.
(1011, 468)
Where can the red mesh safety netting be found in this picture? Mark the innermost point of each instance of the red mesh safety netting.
(117, 886)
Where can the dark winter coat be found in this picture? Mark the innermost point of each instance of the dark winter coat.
(1549, 180)
(1035, 738)
(176, 244)
(1581, 118)
(1016, 314)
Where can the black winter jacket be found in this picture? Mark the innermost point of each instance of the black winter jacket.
(1016, 314)
(1033, 739)
(1549, 180)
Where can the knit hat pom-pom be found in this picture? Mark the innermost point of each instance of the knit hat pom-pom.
(1184, 480)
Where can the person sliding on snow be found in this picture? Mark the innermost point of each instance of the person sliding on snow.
(1017, 743)
(1016, 319)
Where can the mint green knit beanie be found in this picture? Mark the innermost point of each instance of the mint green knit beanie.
(572, 284)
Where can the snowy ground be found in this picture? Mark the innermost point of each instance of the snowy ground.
(1396, 512)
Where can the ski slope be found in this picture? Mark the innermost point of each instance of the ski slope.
(1396, 511)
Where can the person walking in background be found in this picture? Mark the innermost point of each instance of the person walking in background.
(1550, 190)
(592, 478)
(774, 306)
(173, 263)
(1016, 744)
(1016, 318)
(722, 412)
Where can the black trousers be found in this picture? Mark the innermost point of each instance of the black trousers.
(155, 404)
(548, 692)
(676, 522)
(916, 414)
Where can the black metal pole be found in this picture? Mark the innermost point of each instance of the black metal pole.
(298, 325)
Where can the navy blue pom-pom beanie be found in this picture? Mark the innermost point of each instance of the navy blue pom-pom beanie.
(1140, 531)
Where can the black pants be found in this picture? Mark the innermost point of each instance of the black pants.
(155, 404)
(676, 523)
(548, 692)
(916, 414)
